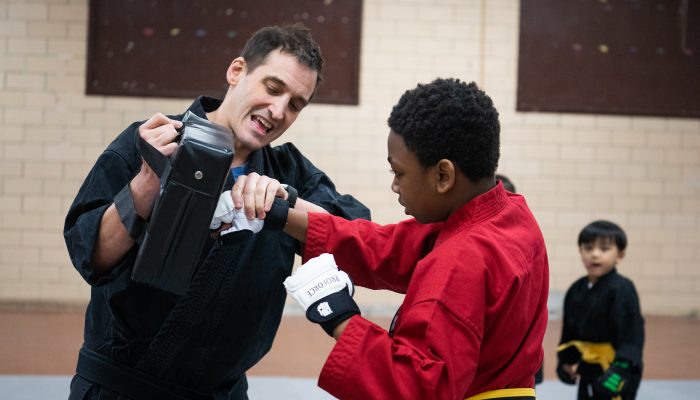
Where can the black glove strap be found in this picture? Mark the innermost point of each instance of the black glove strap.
(124, 204)
(331, 310)
(292, 195)
(276, 218)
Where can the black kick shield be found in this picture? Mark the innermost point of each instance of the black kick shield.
(191, 182)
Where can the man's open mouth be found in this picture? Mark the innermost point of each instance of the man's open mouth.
(264, 125)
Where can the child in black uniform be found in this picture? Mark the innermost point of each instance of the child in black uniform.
(603, 329)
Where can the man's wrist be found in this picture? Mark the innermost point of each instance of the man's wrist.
(132, 221)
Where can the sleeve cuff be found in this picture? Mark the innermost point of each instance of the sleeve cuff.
(315, 235)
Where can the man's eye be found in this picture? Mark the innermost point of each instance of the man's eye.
(273, 90)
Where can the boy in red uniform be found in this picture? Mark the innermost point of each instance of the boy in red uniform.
(471, 262)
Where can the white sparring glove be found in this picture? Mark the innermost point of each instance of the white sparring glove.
(226, 213)
(323, 291)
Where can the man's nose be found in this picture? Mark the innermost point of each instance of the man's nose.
(277, 108)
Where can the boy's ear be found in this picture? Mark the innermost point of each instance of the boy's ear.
(621, 254)
(235, 71)
(445, 175)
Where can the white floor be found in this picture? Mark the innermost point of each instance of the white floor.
(31, 387)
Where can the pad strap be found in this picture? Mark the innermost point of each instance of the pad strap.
(124, 203)
(276, 218)
(292, 195)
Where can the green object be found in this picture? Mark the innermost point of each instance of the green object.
(614, 382)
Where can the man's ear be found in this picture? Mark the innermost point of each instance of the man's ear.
(620, 254)
(445, 175)
(236, 70)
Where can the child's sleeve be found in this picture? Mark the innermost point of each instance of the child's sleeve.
(629, 324)
(566, 330)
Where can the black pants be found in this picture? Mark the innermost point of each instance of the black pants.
(82, 389)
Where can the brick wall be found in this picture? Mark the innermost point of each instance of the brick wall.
(641, 172)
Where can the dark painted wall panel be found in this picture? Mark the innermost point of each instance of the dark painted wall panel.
(175, 48)
(635, 57)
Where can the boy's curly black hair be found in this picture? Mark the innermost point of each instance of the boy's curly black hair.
(451, 119)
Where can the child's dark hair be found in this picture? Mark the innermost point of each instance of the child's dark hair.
(450, 119)
(507, 183)
(603, 229)
(294, 40)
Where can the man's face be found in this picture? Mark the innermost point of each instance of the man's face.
(262, 104)
(414, 184)
(600, 257)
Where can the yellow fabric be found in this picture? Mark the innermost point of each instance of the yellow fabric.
(504, 394)
(602, 354)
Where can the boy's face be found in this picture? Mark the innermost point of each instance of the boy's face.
(413, 183)
(600, 257)
(263, 103)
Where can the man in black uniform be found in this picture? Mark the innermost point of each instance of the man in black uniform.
(144, 343)
(603, 329)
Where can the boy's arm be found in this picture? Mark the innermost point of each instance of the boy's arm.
(375, 256)
(297, 224)
(629, 324)
(567, 358)
(628, 343)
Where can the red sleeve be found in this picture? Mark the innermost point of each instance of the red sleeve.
(375, 256)
(433, 356)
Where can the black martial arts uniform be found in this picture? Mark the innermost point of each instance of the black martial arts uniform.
(233, 327)
(606, 312)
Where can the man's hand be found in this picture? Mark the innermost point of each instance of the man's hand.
(160, 132)
(231, 220)
(255, 193)
(323, 291)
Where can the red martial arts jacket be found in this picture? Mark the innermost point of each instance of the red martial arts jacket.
(475, 311)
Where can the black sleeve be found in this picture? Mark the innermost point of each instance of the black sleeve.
(316, 187)
(567, 333)
(629, 323)
(112, 171)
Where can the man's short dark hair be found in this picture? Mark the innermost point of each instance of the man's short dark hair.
(604, 230)
(450, 119)
(294, 40)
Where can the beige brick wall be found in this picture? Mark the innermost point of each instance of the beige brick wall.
(641, 172)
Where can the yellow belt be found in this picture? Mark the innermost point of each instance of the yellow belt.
(519, 393)
(602, 354)
(593, 353)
